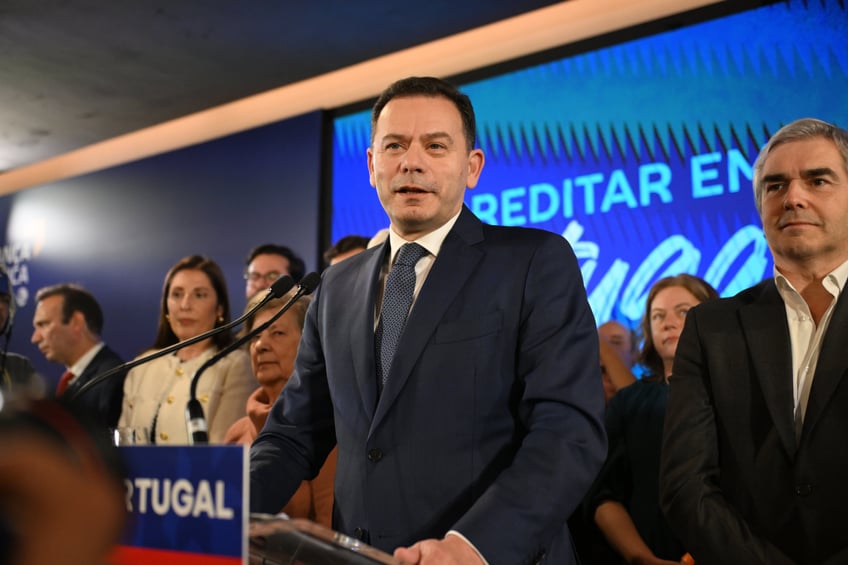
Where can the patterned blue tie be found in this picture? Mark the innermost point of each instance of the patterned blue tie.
(397, 299)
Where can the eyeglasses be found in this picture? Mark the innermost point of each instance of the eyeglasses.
(255, 277)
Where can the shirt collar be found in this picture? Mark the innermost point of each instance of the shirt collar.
(78, 367)
(834, 281)
(432, 241)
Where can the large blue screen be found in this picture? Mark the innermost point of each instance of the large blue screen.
(640, 154)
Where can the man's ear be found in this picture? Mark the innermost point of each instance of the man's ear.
(476, 160)
(371, 178)
(77, 321)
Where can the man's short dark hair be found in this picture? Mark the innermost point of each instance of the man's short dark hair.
(345, 244)
(297, 268)
(429, 86)
(75, 299)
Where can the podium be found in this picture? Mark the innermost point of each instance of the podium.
(188, 505)
(283, 541)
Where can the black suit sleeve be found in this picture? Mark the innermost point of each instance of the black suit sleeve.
(102, 403)
(690, 492)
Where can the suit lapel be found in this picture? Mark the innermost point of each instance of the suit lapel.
(456, 261)
(767, 334)
(364, 364)
(90, 371)
(93, 368)
(831, 366)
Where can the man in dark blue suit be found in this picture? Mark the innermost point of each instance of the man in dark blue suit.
(484, 427)
(67, 325)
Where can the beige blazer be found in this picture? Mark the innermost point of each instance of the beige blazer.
(162, 387)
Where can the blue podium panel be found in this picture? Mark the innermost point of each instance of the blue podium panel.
(187, 504)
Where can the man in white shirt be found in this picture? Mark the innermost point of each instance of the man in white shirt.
(67, 325)
(755, 454)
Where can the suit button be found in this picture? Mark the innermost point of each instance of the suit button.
(375, 455)
(163, 436)
(170, 399)
(361, 534)
(803, 490)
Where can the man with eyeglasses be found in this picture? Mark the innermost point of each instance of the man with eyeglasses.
(268, 262)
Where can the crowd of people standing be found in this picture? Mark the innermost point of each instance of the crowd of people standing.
(449, 397)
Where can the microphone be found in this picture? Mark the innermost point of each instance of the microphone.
(279, 288)
(195, 419)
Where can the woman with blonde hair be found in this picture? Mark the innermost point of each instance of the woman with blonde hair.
(272, 355)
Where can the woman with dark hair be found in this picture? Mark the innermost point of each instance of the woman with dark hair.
(194, 301)
(661, 325)
(625, 498)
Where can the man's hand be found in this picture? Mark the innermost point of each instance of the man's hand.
(452, 550)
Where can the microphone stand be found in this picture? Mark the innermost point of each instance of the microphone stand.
(195, 419)
(278, 289)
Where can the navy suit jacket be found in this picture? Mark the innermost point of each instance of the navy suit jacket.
(490, 422)
(100, 405)
(736, 485)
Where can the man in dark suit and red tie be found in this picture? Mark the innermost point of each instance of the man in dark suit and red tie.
(468, 431)
(755, 456)
(67, 325)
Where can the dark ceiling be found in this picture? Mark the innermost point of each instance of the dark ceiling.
(74, 72)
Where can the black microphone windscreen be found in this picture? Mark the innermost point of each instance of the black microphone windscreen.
(281, 286)
(310, 282)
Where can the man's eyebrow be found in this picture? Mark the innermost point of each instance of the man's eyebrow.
(432, 136)
(774, 177)
(805, 174)
(440, 136)
(436, 134)
(393, 137)
(818, 172)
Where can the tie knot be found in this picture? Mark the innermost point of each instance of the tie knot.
(409, 254)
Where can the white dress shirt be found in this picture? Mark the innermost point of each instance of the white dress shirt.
(805, 337)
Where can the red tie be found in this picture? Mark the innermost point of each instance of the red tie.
(63, 383)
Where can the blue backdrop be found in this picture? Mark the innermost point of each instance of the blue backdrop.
(640, 154)
(118, 231)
